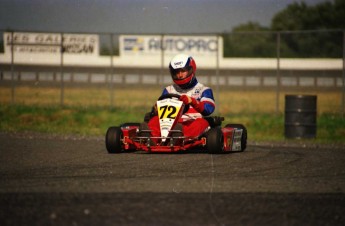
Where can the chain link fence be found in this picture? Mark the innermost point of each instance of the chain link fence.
(250, 66)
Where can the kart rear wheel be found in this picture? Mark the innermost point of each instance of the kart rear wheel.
(244, 134)
(113, 140)
(215, 141)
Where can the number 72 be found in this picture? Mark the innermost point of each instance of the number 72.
(169, 111)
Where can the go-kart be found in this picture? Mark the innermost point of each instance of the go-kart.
(132, 137)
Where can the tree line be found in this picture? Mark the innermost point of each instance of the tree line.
(302, 31)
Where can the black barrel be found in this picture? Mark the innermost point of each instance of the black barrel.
(300, 116)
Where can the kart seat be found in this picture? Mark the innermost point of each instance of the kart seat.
(148, 116)
(214, 121)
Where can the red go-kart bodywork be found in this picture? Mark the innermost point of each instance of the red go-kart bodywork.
(131, 136)
(127, 137)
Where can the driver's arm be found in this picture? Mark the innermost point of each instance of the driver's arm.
(205, 105)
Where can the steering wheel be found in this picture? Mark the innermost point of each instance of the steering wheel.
(169, 96)
(174, 96)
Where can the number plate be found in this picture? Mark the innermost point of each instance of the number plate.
(169, 111)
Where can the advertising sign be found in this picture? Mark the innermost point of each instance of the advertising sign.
(50, 43)
(153, 45)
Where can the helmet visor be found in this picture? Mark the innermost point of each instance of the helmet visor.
(181, 73)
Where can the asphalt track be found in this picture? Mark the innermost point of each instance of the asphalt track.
(55, 180)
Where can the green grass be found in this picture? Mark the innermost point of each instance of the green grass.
(86, 111)
(83, 121)
(96, 120)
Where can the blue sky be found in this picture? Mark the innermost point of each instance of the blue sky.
(137, 16)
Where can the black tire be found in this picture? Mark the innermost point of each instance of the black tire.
(215, 141)
(244, 134)
(113, 140)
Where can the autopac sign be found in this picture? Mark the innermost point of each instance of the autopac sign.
(142, 44)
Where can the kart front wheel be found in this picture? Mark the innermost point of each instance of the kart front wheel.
(113, 140)
(215, 141)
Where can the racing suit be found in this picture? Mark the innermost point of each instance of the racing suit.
(203, 104)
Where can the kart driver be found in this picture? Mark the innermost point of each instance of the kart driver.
(200, 98)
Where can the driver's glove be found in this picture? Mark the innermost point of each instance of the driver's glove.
(186, 99)
(197, 105)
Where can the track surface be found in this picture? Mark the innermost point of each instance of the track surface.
(47, 180)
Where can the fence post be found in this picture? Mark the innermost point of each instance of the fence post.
(111, 72)
(217, 76)
(343, 96)
(278, 73)
(62, 85)
(13, 85)
(161, 79)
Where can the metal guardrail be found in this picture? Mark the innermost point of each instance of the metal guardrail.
(265, 79)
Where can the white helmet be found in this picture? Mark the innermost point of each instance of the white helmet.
(182, 62)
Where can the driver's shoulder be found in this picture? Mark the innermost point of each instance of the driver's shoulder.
(201, 87)
(173, 89)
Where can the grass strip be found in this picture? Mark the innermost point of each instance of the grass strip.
(96, 120)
